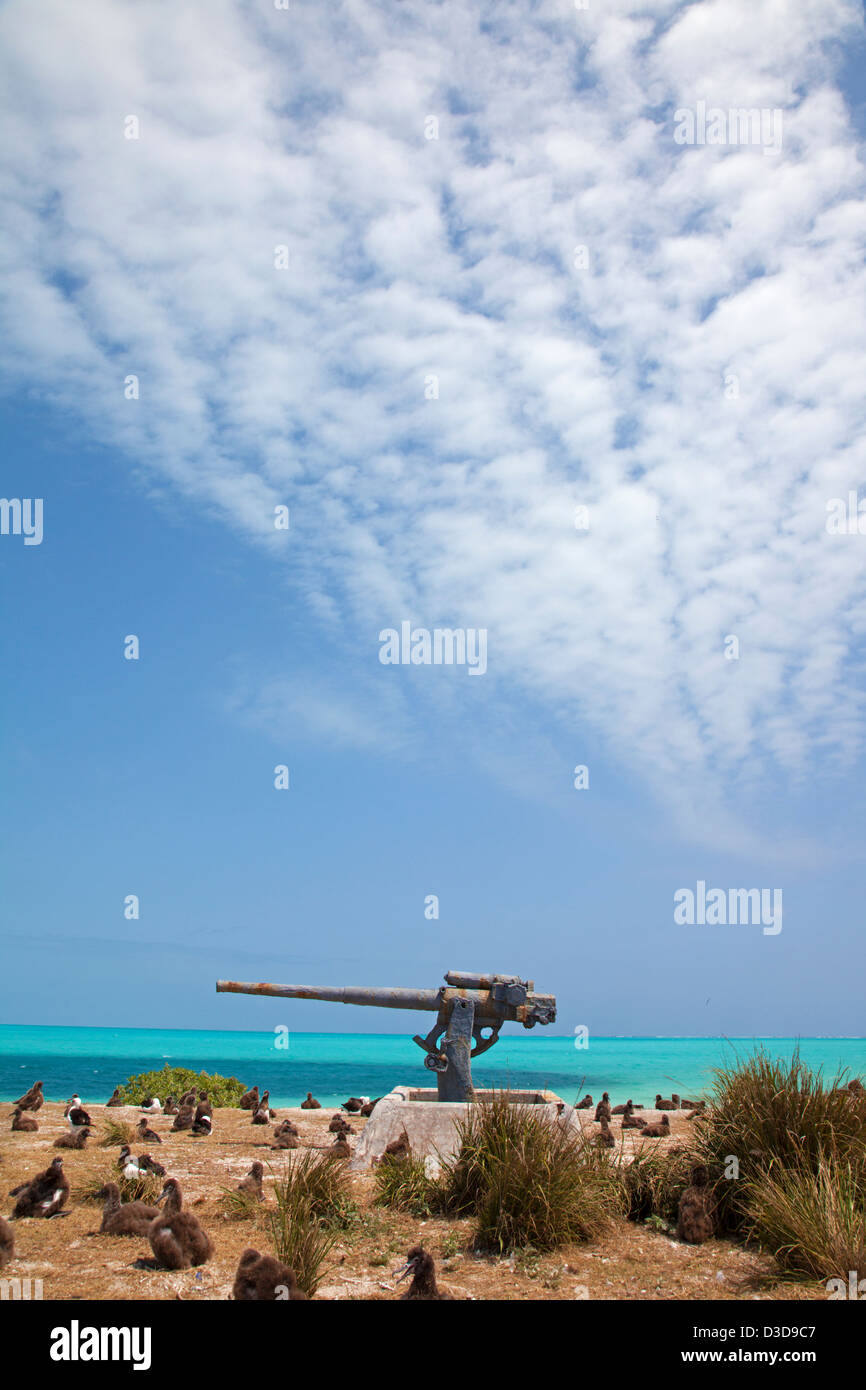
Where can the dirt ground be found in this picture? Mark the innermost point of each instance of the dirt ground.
(73, 1261)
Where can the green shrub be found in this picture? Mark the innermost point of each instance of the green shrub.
(173, 1081)
(528, 1181)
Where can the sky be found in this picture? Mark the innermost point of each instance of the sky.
(451, 285)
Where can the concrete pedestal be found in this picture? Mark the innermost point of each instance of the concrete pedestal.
(430, 1124)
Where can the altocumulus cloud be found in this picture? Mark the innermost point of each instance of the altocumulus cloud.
(694, 378)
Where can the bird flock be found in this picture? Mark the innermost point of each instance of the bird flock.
(632, 1117)
(175, 1235)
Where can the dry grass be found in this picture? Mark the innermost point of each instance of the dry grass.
(319, 1179)
(654, 1180)
(144, 1189)
(402, 1183)
(812, 1217)
(116, 1132)
(240, 1206)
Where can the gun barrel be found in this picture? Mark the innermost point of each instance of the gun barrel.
(491, 1009)
(461, 979)
(426, 999)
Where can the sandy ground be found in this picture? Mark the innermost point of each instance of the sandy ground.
(73, 1261)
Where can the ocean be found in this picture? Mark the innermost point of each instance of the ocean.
(92, 1061)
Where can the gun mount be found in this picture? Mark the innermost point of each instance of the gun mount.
(469, 1009)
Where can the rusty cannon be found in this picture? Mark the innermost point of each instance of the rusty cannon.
(469, 1009)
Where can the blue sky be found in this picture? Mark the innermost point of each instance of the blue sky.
(608, 387)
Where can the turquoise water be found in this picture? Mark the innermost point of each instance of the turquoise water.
(92, 1061)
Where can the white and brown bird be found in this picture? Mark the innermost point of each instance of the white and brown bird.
(202, 1123)
(203, 1109)
(43, 1195)
(146, 1164)
(262, 1112)
(176, 1236)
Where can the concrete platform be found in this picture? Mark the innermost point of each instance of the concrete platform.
(430, 1124)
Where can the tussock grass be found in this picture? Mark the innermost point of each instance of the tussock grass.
(772, 1116)
(313, 1200)
(653, 1182)
(144, 1189)
(116, 1132)
(300, 1240)
(240, 1206)
(403, 1185)
(322, 1180)
(812, 1216)
(528, 1181)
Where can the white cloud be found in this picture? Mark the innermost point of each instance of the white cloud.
(454, 257)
